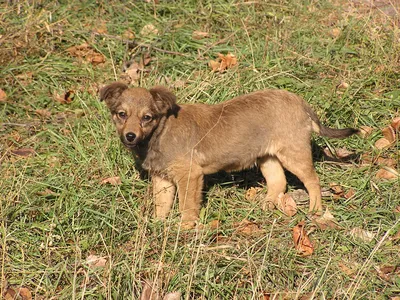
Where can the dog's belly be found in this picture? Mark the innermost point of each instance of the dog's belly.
(229, 164)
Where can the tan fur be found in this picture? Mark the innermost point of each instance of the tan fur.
(178, 145)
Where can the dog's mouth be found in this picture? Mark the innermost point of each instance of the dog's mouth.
(130, 145)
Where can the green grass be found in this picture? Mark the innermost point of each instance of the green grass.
(54, 212)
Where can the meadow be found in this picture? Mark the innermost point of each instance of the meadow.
(76, 217)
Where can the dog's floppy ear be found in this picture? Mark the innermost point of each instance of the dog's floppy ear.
(112, 91)
(164, 99)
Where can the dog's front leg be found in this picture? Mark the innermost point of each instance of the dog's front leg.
(164, 194)
(190, 184)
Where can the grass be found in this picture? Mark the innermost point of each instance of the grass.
(54, 212)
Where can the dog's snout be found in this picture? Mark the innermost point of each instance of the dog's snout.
(130, 136)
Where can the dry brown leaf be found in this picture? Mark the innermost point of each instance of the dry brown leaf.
(198, 35)
(95, 261)
(387, 173)
(300, 196)
(364, 235)
(67, 98)
(149, 29)
(214, 224)
(86, 52)
(44, 113)
(326, 221)
(335, 32)
(3, 96)
(286, 204)
(396, 124)
(337, 190)
(350, 193)
(382, 143)
(116, 180)
(343, 85)
(134, 71)
(346, 269)
(10, 294)
(150, 291)
(301, 240)
(387, 272)
(389, 162)
(128, 34)
(24, 152)
(223, 62)
(397, 210)
(389, 134)
(102, 28)
(24, 293)
(247, 227)
(365, 131)
(252, 193)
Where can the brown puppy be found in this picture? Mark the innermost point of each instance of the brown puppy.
(179, 144)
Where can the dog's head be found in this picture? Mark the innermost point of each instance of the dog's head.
(137, 112)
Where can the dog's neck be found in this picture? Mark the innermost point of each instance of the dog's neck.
(148, 151)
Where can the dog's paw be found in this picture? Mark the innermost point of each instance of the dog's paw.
(268, 206)
(189, 225)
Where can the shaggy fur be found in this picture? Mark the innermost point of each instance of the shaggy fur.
(179, 144)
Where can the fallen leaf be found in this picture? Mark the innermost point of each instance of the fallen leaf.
(95, 261)
(395, 124)
(24, 293)
(149, 29)
(198, 35)
(301, 240)
(286, 204)
(382, 143)
(387, 272)
(361, 234)
(10, 294)
(389, 134)
(343, 85)
(67, 98)
(3, 96)
(116, 180)
(149, 291)
(86, 52)
(46, 192)
(214, 224)
(24, 152)
(337, 190)
(348, 269)
(350, 193)
(300, 196)
(365, 131)
(223, 62)
(134, 72)
(335, 32)
(247, 227)
(387, 173)
(389, 162)
(340, 153)
(102, 28)
(397, 210)
(327, 220)
(128, 34)
(252, 193)
(43, 113)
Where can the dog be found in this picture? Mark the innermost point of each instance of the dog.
(179, 144)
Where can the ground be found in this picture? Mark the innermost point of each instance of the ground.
(76, 216)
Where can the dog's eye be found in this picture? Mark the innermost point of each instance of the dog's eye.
(122, 114)
(147, 118)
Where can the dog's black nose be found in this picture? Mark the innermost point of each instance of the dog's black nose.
(130, 136)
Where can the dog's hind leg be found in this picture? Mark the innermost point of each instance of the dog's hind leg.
(300, 164)
(164, 194)
(189, 180)
(273, 172)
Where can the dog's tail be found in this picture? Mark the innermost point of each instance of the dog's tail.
(327, 131)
